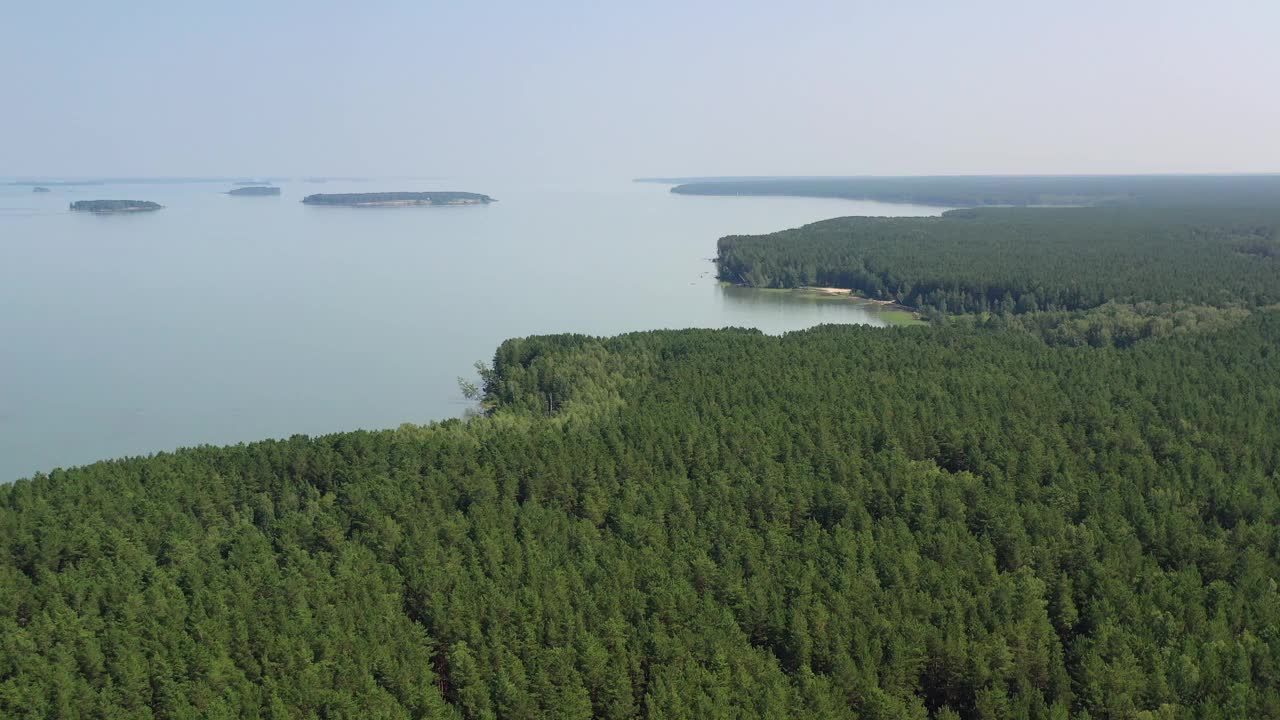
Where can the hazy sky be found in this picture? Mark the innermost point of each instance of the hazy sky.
(622, 89)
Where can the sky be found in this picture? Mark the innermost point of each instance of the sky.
(624, 89)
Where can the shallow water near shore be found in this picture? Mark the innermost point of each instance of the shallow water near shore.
(222, 319)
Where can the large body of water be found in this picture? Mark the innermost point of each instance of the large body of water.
(223, 319)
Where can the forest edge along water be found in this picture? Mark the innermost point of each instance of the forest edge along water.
(890, 312)
(1095, 403)
(219, 321)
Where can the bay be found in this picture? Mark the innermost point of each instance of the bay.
(225, 319)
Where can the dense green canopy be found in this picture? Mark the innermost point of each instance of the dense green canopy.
(887, 523)
(1020, 260)
(985, 518)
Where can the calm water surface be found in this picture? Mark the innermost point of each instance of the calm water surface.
(222, 319)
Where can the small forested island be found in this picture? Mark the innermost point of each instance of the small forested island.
(397, 198)
(255, 190)
(40, 189)
(114, 206)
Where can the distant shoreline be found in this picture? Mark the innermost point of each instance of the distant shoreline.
(1024, 191)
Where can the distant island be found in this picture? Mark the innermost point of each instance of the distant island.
(255, 190)
(112, 206)
(251, 182)
(389, 199)
(40, 189)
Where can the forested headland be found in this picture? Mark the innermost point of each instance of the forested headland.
(397, 198)
(1012, 261)
(110, 206)
(1060, 500)
(971, 191)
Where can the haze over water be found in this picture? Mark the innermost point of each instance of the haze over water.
(221, 319)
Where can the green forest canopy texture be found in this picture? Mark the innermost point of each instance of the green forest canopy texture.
(1025, 258)
(1065, 509)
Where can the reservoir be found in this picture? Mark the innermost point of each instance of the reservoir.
(222, 319)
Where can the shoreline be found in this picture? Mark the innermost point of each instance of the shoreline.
(900, 314)
(888, 304)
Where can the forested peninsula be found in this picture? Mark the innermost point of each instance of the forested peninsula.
(1012, 260)
(397, 198)
(1059, 500)
(114, 206)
